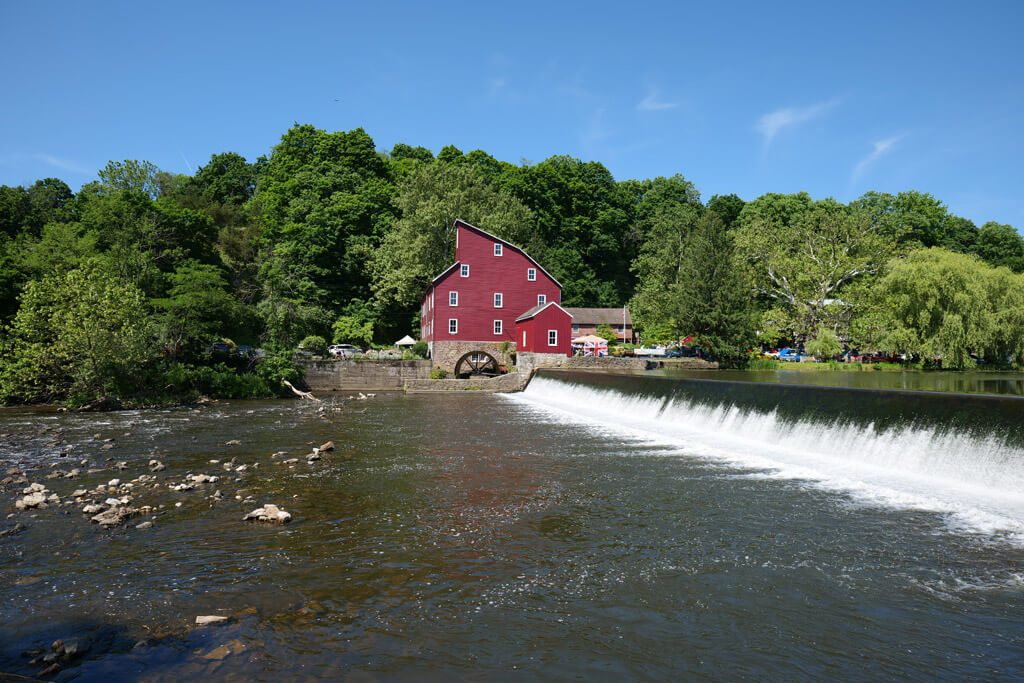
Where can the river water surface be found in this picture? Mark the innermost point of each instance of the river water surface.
(608, 528)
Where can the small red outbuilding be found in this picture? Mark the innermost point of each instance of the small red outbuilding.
(545, 328)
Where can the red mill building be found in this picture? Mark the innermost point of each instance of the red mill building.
(493, 299)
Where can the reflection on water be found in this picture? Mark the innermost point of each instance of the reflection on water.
(480, 536)
(999, 383)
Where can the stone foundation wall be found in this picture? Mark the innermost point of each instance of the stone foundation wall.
(513, 381)
(351, 375)
(528, 362)
(445, 354)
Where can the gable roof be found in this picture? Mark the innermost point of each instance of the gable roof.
(443, 273)
(511, 246)
(596, 316)
(540, 307)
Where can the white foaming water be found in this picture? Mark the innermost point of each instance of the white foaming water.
(978, 482)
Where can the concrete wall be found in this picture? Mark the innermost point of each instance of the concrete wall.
(351, 375)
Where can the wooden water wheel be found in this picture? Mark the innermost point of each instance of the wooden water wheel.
(477, 364)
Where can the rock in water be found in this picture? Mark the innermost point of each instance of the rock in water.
(268, 513)
(114, 516)
(329, 446)
(156, 466)
(209, 619)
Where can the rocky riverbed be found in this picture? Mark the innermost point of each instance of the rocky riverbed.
(122, 486)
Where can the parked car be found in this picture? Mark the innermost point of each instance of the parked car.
(789, 355)
(343, 350)
(246, 351)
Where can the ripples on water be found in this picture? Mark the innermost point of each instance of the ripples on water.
(496, 537)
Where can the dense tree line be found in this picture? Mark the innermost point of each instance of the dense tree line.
(122, 286)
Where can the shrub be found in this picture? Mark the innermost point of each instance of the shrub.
(438, 373)
(315, 344)
(421, 349)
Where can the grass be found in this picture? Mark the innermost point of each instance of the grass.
(836, 366)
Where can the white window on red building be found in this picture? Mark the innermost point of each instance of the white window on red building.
(497, 249)
(464, 271)
(497, 327)
(453, 298)
(552, 337)
(541, 299)
(497, 299)
(453, 325)
(531, 274)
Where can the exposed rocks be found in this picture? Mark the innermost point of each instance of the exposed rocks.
(268, 513)
(114, 516)
(209, 619)
(156, 466)
(16, 529)
(329, 446)
(144, 525)
(36, 496)
(233, 442)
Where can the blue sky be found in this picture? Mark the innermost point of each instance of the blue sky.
(738, 97)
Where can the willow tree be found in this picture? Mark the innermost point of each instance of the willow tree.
(939, 304)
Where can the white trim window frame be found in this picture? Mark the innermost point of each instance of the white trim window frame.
(542, 299)
(552, 337)
(499, 300)
(531, 274)
(497, 248)
(464, 270)
(497, 326)
(453, 298)
(453, 325)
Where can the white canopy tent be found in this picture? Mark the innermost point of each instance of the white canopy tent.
(404, 341)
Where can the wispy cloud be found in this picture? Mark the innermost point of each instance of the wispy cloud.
(48, 159)
(881, 148)
(773, 123)
(652, 103)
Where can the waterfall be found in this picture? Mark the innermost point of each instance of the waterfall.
(886, 448)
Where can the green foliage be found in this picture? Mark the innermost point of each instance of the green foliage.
(713, 296)
(803, 257)
(825, 344)
(349, 330)
(606, 332)
(315, 345)
(936, 303)
(422, 242)
(438, 373)
(196, 308)
(421, 349)
(79, 335)
(1000, 245)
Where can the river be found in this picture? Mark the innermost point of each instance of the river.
(601, 527)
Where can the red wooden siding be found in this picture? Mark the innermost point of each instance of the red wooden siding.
(488, 274)
(532, 334)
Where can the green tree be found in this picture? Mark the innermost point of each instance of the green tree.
(659, 271)
(422, 243)
(137, 177)
(936, 303)
(714, 297)
(1000, 245)
(77, 335)
(349, 330)
(825, 344)
(727, 207)
(606, 332)
(195, 311)
(802, 267)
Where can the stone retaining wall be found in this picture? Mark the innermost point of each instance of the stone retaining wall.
(352, 375)
(513, 381)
